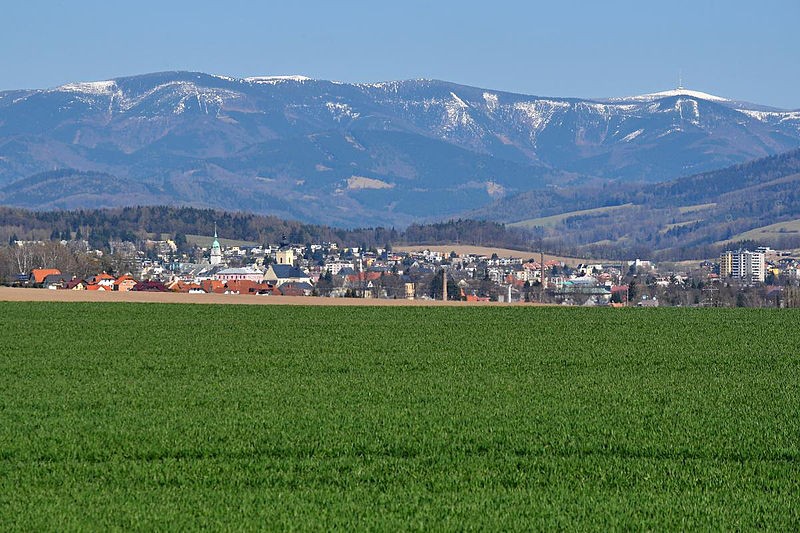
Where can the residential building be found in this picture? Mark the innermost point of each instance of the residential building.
(334, 267)
(124, 283)
(743, 265)
(103, 279)
(38, 275)
(57, 281)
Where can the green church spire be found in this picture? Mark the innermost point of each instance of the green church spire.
(216, 249)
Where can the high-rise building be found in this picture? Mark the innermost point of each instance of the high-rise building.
(743, 265)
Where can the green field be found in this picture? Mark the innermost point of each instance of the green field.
(154, 416)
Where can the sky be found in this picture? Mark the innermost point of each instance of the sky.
(739, 49)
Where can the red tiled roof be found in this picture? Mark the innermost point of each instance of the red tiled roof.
(364, 276)
(213, 285)
(291, 290)
(244, 286)
(180, 286)
(39, 274)
(150, 286)
(75, 282)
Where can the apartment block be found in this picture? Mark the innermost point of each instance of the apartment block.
(743, 265)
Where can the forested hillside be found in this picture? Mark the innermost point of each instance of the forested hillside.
(692, 217)
(134, 223)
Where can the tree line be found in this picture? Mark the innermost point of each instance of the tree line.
(100, 226)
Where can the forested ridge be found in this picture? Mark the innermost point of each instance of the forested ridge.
(692, 217)
(136, 223)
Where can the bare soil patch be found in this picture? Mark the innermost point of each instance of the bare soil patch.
(15, 294)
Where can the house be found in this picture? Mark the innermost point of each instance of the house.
(280, 274)
(150, 286)
(296, 289)
(243, 286)
(124, 283)
(621, 292)
(104, 280)
(213, 286)
(39, 274)
(360, 278)
(76, 285)
(183, 286)
(57, 281)
(335, 266)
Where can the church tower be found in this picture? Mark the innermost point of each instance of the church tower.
(216, 250)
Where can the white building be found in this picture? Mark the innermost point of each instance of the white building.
(236, 274)
(743, 264)
(335, 266)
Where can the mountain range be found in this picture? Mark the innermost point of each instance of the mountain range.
(356, 154)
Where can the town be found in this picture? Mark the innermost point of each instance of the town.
(761, 278)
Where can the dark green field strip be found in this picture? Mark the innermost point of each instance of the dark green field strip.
(165, 416)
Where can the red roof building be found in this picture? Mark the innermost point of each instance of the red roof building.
(124, 283)
(38, 274)
(150, 286)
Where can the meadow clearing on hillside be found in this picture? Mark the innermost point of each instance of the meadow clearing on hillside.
(151, 416)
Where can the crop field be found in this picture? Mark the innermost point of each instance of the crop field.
(156, 416)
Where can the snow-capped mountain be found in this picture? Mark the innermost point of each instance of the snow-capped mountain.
(343, 153)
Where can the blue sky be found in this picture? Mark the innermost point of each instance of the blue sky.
(739, 49)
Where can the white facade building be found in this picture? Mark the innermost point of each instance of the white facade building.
(236, 274)
(744, 265)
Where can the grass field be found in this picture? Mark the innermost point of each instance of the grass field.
(554, 220)
(773, 231)
(149, 416)
(695, 208)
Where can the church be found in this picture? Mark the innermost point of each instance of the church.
(216, 250)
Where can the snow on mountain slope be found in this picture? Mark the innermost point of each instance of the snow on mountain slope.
(176, 127)
(273, 80)
(93, 87)
(670, 93)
